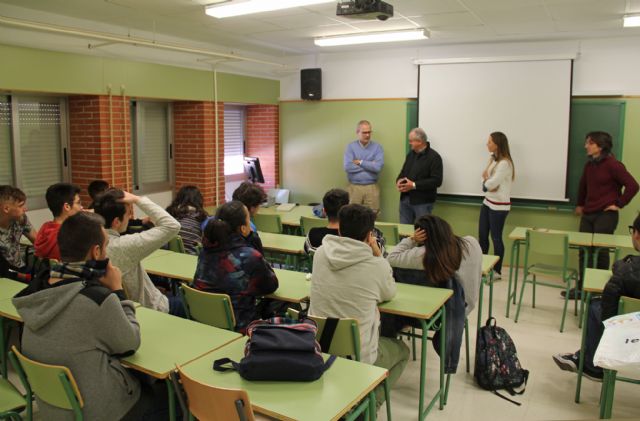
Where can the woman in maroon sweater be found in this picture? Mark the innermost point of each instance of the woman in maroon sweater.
(601, 194)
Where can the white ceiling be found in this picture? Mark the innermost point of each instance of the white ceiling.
(275, 35)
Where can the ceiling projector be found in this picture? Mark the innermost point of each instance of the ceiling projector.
(365, 9)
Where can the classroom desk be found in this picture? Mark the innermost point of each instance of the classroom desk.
(293, 286)
(488, 262)
(8, 315)
(292, 246)
(579, 240)
(168, 340)
(339, 389)
(426, 305)
(594, 282)
(612, 242)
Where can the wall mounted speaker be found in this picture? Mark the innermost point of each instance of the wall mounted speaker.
(311, 84)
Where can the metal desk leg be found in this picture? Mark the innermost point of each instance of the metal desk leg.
(582, 343)
(172, 399)
(480, 301)
(491, 293)
(425, 326)
(514, 266)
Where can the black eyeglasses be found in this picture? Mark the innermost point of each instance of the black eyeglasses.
(631, 229)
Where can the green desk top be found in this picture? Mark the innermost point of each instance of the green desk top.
(167, 340)
(575, 238)
(488, 262)
(612, 240)
(292, 286)
(596, 279)
(416, 301)
(291, 217)
(9, 288)
(328, 398)
(292, 244)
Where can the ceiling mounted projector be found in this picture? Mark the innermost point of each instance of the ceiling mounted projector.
(365, 9)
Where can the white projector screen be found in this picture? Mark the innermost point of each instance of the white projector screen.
(460, 104)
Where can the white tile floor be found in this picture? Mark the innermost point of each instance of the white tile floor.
(550, 392)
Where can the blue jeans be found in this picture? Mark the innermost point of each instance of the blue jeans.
(594, 333)
(492, 221)
(409, 213)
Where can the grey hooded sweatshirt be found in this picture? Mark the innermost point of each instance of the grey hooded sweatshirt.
(83, 328)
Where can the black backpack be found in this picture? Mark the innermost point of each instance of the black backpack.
(497, 366)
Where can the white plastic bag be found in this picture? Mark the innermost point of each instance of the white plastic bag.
(619, 347)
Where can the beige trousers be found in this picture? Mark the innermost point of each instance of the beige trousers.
(365, 194)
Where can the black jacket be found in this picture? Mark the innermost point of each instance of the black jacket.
(624, 282)
(425, 169)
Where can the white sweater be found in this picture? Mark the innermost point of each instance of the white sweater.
(408, 255)
(500, 180)
(349, 281)
(127, 251)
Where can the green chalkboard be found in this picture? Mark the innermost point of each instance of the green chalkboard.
(589, 115)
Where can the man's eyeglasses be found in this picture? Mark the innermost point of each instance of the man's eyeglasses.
(631, 229)
(363, 132)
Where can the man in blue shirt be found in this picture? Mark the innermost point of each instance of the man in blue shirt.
(363, 161)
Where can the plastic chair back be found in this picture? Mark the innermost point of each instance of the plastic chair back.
(390, 233)
(346, 338)
(209, 403)
(54, 384)
(628, 305)
(307, 222)
(209, 308)
(547, 243)
(11, 401)
(176, 245)
(268, 223)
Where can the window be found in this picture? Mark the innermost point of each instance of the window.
(234, 121)
(33, 144)
(151, 135)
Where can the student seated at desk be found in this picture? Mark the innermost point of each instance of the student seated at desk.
(13, 225)
(332, 201)
(80, 318)
(349, 279)
(625, 281)
(63, 200)
(98, 187)
(229, 265)
(187, 209)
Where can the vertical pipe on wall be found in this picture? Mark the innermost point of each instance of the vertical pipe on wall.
(215, 108)
(113, 165)
(126, 146)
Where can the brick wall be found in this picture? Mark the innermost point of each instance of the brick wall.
(194, 148)
(92, 122)
(262, 140)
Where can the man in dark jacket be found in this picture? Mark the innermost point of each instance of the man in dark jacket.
(419, 179)
(625, 281)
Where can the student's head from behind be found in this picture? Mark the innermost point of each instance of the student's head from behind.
(82, 237)
(63, 199)
(634, 230)
(188, 200)
(598, 143)
(231, 218)
(332, 201)
(12, 202)
(115, 213)
(96, 188)
(251, 195)
(417, 139)
(356, 221)
(443, 249)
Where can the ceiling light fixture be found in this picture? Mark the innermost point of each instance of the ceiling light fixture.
(256, 6)
(630, 21)
(372, 37)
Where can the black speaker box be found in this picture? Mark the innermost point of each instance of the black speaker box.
(311, 84)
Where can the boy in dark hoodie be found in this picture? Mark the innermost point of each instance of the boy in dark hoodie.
(63, 200)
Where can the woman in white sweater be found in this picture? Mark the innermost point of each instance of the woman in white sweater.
(496, 183)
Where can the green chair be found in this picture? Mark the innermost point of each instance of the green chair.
(53, 384)
(208, 308)
(176, 245)
(345, 343)
(308, 222)
(390, 233)
(626, 305)
(268, 223)
(544, 245)
(11, 402)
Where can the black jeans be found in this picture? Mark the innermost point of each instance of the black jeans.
(604, 222)
(492, 221)
(594, 333)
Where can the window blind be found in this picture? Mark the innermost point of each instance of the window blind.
(234, 118)
(6, 161)
(155, 143)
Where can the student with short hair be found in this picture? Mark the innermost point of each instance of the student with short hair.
(188, 210)
(127, 251)
(13, 225)
(349, 279)
(95, 189)
(228, 265)
(63, 200)
(79, 317)
(332, 202)
(252, 196)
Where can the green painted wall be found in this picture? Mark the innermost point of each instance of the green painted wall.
(313, 137)
(27, 69)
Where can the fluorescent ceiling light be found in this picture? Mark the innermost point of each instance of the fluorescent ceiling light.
(247, 7)
(631, 21)
(372, 37)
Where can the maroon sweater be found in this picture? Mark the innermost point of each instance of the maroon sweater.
(601, 185)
